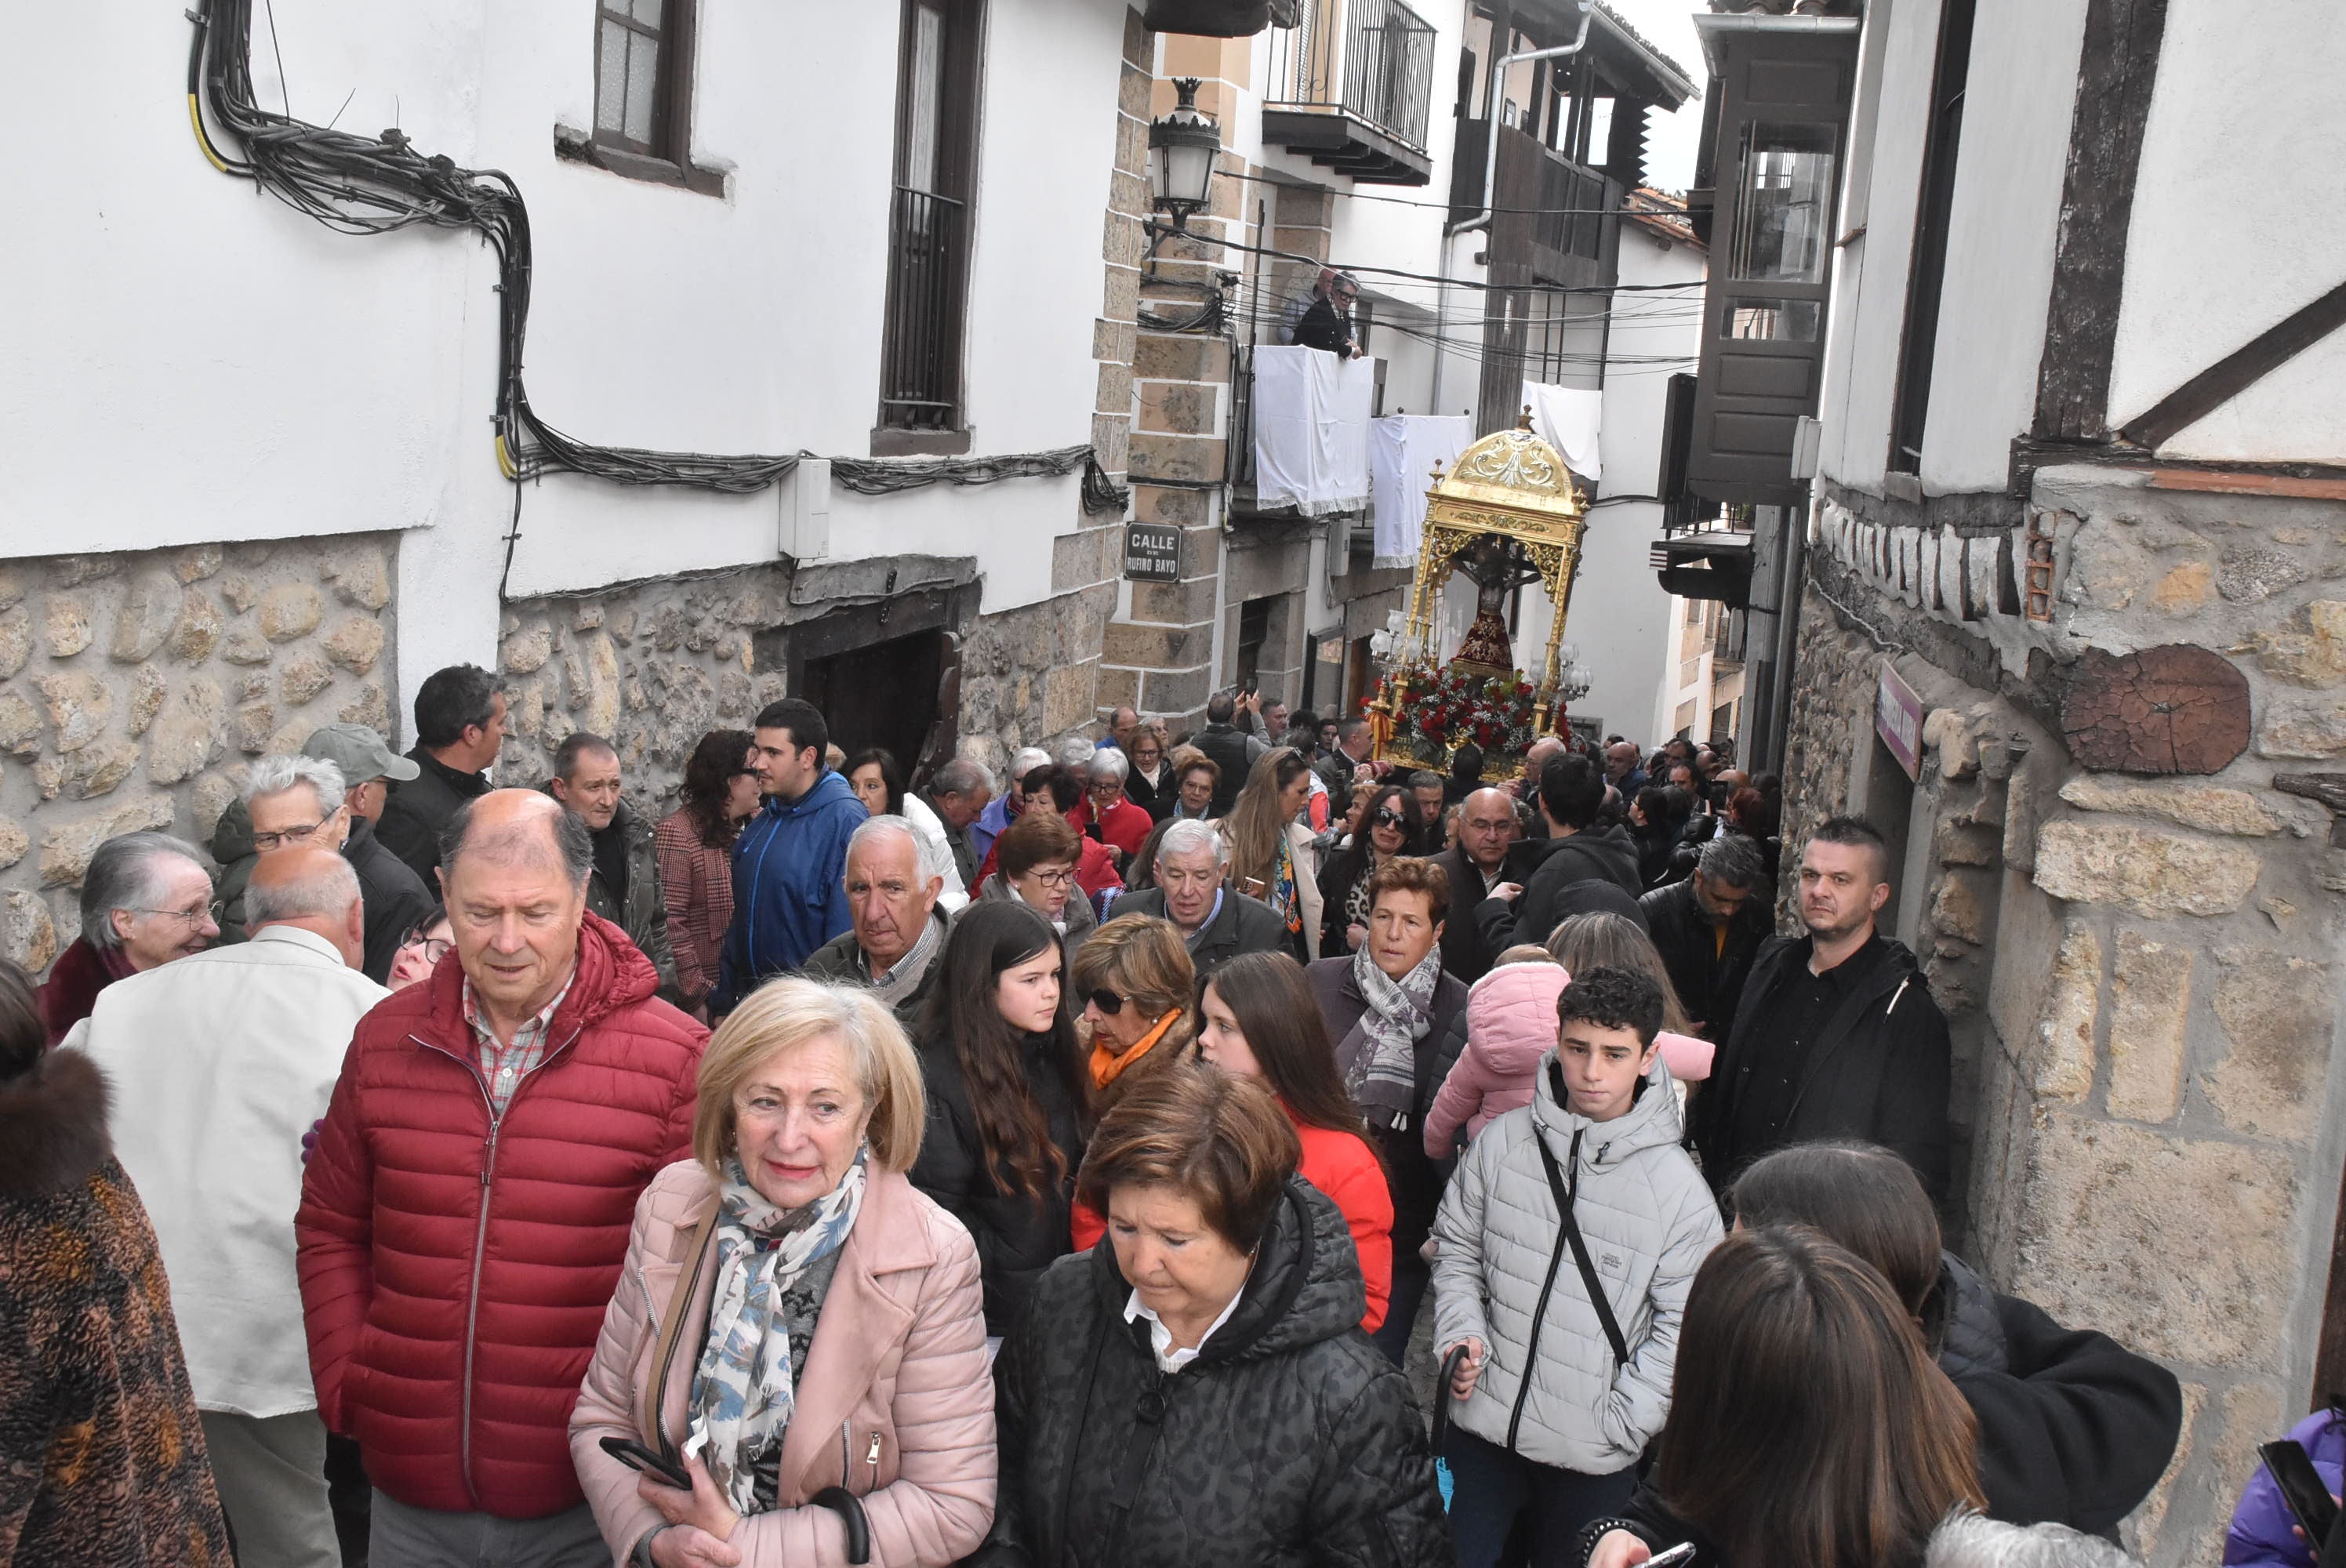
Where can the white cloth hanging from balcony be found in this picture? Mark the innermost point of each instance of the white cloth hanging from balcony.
(1567, 418)
(1402, 450)
(1312, 429)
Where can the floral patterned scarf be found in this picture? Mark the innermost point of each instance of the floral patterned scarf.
(741, 1392)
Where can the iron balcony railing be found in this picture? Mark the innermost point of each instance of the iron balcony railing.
(919, 387)
(1373, 59)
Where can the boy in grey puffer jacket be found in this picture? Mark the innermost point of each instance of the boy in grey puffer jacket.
(1555, 1404)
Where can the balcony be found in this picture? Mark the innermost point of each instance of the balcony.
(1350, 87)
(1706, 557)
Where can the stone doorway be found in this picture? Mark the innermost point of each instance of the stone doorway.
(881, 695)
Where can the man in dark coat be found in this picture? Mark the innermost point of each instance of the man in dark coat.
(1217, 923)
(1411, 901)
(1837, 1035)
(624, 887)
(1709, 928)
(1230, 748)
(1328, 323)
(460, 728)
(1487, 825)
(1577, 848)
(895, 932)
(959, 793)
(1342, 761)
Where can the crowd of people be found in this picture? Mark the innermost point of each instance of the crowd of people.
(849, 1166)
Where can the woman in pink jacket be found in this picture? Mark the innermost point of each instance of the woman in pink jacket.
(796, 1327)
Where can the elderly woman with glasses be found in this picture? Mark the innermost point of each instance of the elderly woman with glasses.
(1034, 862)
(797, 1328)
(146, 900)
(1107, 814)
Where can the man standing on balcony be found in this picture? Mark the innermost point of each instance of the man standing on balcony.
(1327, 324)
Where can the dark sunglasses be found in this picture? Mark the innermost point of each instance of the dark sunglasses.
(1387, 816)
(1108, 1002)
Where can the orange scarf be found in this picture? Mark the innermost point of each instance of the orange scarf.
(1108, 1067)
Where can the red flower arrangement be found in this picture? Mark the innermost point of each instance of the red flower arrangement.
(1446, 708)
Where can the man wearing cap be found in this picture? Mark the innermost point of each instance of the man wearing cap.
(395, 899)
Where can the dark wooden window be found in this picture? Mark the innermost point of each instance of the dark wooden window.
(643, 96)
(1928, 275)
(929, 228)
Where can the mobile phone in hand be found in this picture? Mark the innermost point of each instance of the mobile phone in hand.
(637, 1457)
(2301, 1487)
(1682, 1553)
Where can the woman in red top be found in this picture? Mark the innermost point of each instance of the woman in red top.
(1256, 1018)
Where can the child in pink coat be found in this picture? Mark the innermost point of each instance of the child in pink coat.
(1510, 1025)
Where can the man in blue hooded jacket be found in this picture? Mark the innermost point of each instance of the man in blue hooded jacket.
(789, 892)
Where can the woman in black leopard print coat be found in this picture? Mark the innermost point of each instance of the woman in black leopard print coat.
(1291, 1440)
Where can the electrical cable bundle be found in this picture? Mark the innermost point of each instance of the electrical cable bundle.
(360, 184)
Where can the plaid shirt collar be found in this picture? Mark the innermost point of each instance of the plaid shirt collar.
(503, 1066)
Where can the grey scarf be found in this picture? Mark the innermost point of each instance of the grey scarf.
(1382, 1077)
(905, 978)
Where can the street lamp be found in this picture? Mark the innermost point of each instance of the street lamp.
(1181, 149)
(1573, 679)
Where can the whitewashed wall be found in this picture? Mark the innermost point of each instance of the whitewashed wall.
(191, 363)
(2237, 224)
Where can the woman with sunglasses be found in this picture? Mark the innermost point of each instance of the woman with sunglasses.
(1008, 1100)
(421, 950)
(1134, 981)
(1257, 1019)
(694, 847)
(1393, 827)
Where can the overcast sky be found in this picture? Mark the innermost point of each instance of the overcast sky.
(1670, 139)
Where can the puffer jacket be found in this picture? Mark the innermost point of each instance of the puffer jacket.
(1550, 1389)
(895, 1405)
(2262, 1534)
(1291, 1440)
(1510, 1025)
(455, 1264)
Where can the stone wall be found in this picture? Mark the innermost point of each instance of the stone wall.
(131, 687)
(2148, 948)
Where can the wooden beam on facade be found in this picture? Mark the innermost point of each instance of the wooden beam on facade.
(2238, 370)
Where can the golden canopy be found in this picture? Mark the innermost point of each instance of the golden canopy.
(1510, 486)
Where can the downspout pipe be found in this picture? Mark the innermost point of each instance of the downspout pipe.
(1490, 174)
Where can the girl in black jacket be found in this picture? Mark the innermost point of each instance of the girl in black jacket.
(1008, 1100)
(1196, 1391)
(2073, 1428)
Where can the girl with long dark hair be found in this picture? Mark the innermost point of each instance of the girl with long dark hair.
(1393, 826)
(694, 848)
(1009, 1101)
(1808, 1426)
(1257, 1019)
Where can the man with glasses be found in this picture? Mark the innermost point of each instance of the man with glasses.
(1215, 922)
(1487, 824)
(1327, 324)
(146, 900)
(219, 1065)
(303, 800)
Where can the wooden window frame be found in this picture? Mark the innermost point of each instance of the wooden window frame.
(960, 105)
(668, 159)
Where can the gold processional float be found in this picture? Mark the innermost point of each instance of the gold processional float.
(1506, 514)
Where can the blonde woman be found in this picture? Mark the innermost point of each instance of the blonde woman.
(793, 1316)
(1270, 848)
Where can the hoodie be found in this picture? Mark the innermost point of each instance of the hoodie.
(1605, 853)
(1510, 1025)
(790, 895)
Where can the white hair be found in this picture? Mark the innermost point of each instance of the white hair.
(930, 856)
(1967, 1540)
(1075, 751)
(1029, 759)
(327, 892)
(1108, 762)
(1187, 836)
(127, 873)
(275, 775)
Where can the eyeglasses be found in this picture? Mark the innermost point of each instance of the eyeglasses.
(1053, 878)
(434, 949)
(1108, 1002)
(264, 842)
(192, 918)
